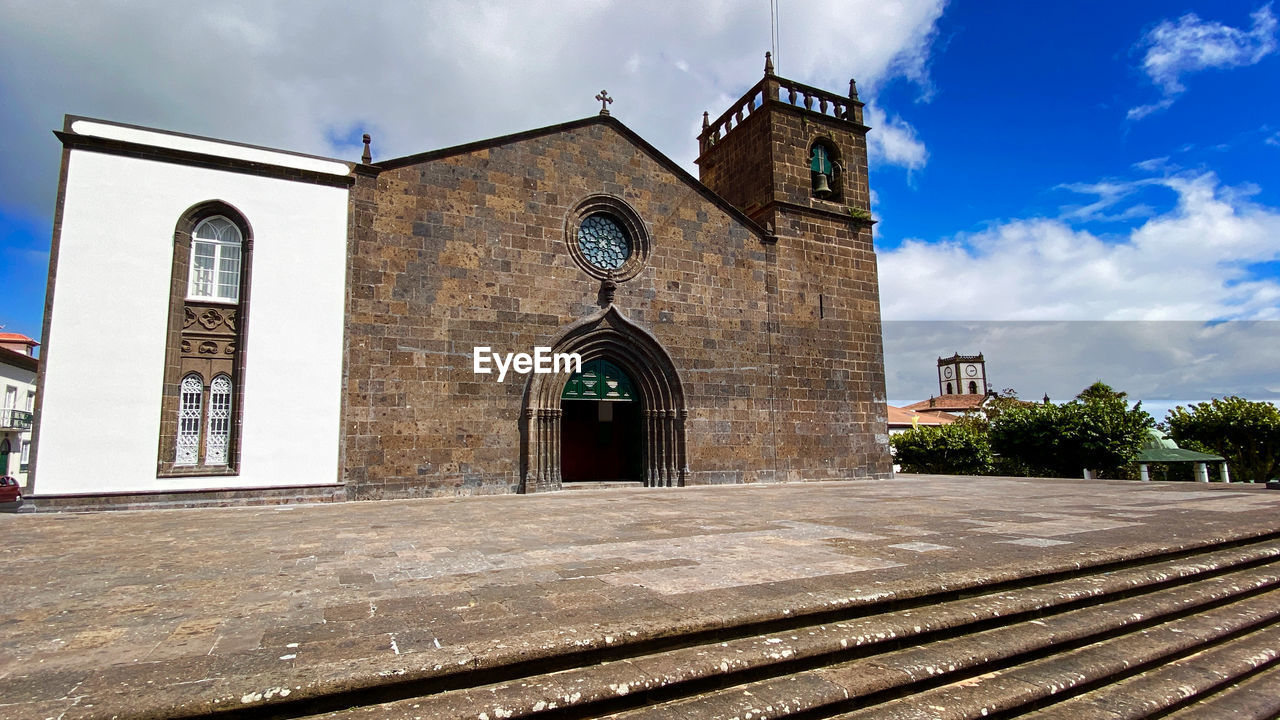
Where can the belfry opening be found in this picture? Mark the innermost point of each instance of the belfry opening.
(601, 430)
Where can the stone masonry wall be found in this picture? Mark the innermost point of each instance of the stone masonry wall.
(829, 389)
(831, 379)
(469, 249)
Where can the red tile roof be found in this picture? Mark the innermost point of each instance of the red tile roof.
(899, 417)
(16, 338)
(949, 403)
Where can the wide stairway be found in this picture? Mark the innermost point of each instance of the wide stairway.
(1192, 634)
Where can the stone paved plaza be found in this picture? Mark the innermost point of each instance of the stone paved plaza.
(224, 607)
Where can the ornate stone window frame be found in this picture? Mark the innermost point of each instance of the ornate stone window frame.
(627, 219)
(207, 338)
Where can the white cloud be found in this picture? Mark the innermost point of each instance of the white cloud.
(1188, 263)
(295, 73)
(1178, 48)
(893, 141)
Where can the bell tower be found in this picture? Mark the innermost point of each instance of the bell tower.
(962, 375)
(793, 158)
(786, 148)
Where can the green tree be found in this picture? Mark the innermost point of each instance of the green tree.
(1246, 433)
(960, 448)
(1097, 430)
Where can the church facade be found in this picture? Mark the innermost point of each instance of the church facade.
(232, 319)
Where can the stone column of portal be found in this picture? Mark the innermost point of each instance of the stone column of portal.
(682, 461)
(544, 447)
(1142, 468)
(1226, 476)
(659, 461)
(531, 457)
(668, 448)
(538, 442)
(650, 451)
(557, 428)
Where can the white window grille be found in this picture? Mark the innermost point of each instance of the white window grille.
(215, 261)
(31, 400)
(26, 453)
(188, 441)
(219, 421)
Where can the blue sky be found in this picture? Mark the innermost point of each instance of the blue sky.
(1027, 100)
(1032, 163)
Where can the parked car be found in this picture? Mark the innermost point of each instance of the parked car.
(10, 492)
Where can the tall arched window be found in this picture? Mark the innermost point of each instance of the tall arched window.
(205, 353)
(188, 443)
(219, 432)
(973, 388)
(215, 261)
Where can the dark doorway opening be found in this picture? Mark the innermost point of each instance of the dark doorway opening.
(601, 426)
(600, 440)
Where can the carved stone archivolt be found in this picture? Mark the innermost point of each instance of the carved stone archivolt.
(610, 335)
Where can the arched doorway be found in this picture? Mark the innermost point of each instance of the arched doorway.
(601, 428)
(658, 409)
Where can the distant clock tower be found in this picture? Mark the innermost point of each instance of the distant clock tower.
(962, 375)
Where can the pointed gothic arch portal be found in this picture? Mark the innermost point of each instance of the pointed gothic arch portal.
(649, 445)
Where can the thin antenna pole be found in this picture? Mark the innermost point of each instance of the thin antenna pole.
(773, 29)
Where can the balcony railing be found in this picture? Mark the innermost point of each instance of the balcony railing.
(15, 419)
(787, 92)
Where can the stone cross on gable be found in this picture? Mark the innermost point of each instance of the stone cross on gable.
(604, 99)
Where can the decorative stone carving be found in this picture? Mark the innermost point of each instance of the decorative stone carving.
(189, 317)
(210, 319)
(208, 347)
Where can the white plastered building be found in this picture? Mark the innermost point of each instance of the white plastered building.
(194, 320)
(18, 367)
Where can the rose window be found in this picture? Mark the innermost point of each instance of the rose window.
(603, 242)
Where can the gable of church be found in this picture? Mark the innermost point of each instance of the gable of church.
(474, 248)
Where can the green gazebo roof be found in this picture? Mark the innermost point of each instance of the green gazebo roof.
(1171, 455)
(1159, 449)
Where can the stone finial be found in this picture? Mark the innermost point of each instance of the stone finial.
(604, 99)
(768, 63)
(706, 120)
(367, 157)
(853, 89)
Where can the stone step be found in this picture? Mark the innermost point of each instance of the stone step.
(1171, 685)
(602, 485)
(1006, 692)
(1253, 698)
(843, 685)
(881, 648)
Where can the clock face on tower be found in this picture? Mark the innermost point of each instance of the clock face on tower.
(946, 372)
(971, 371)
